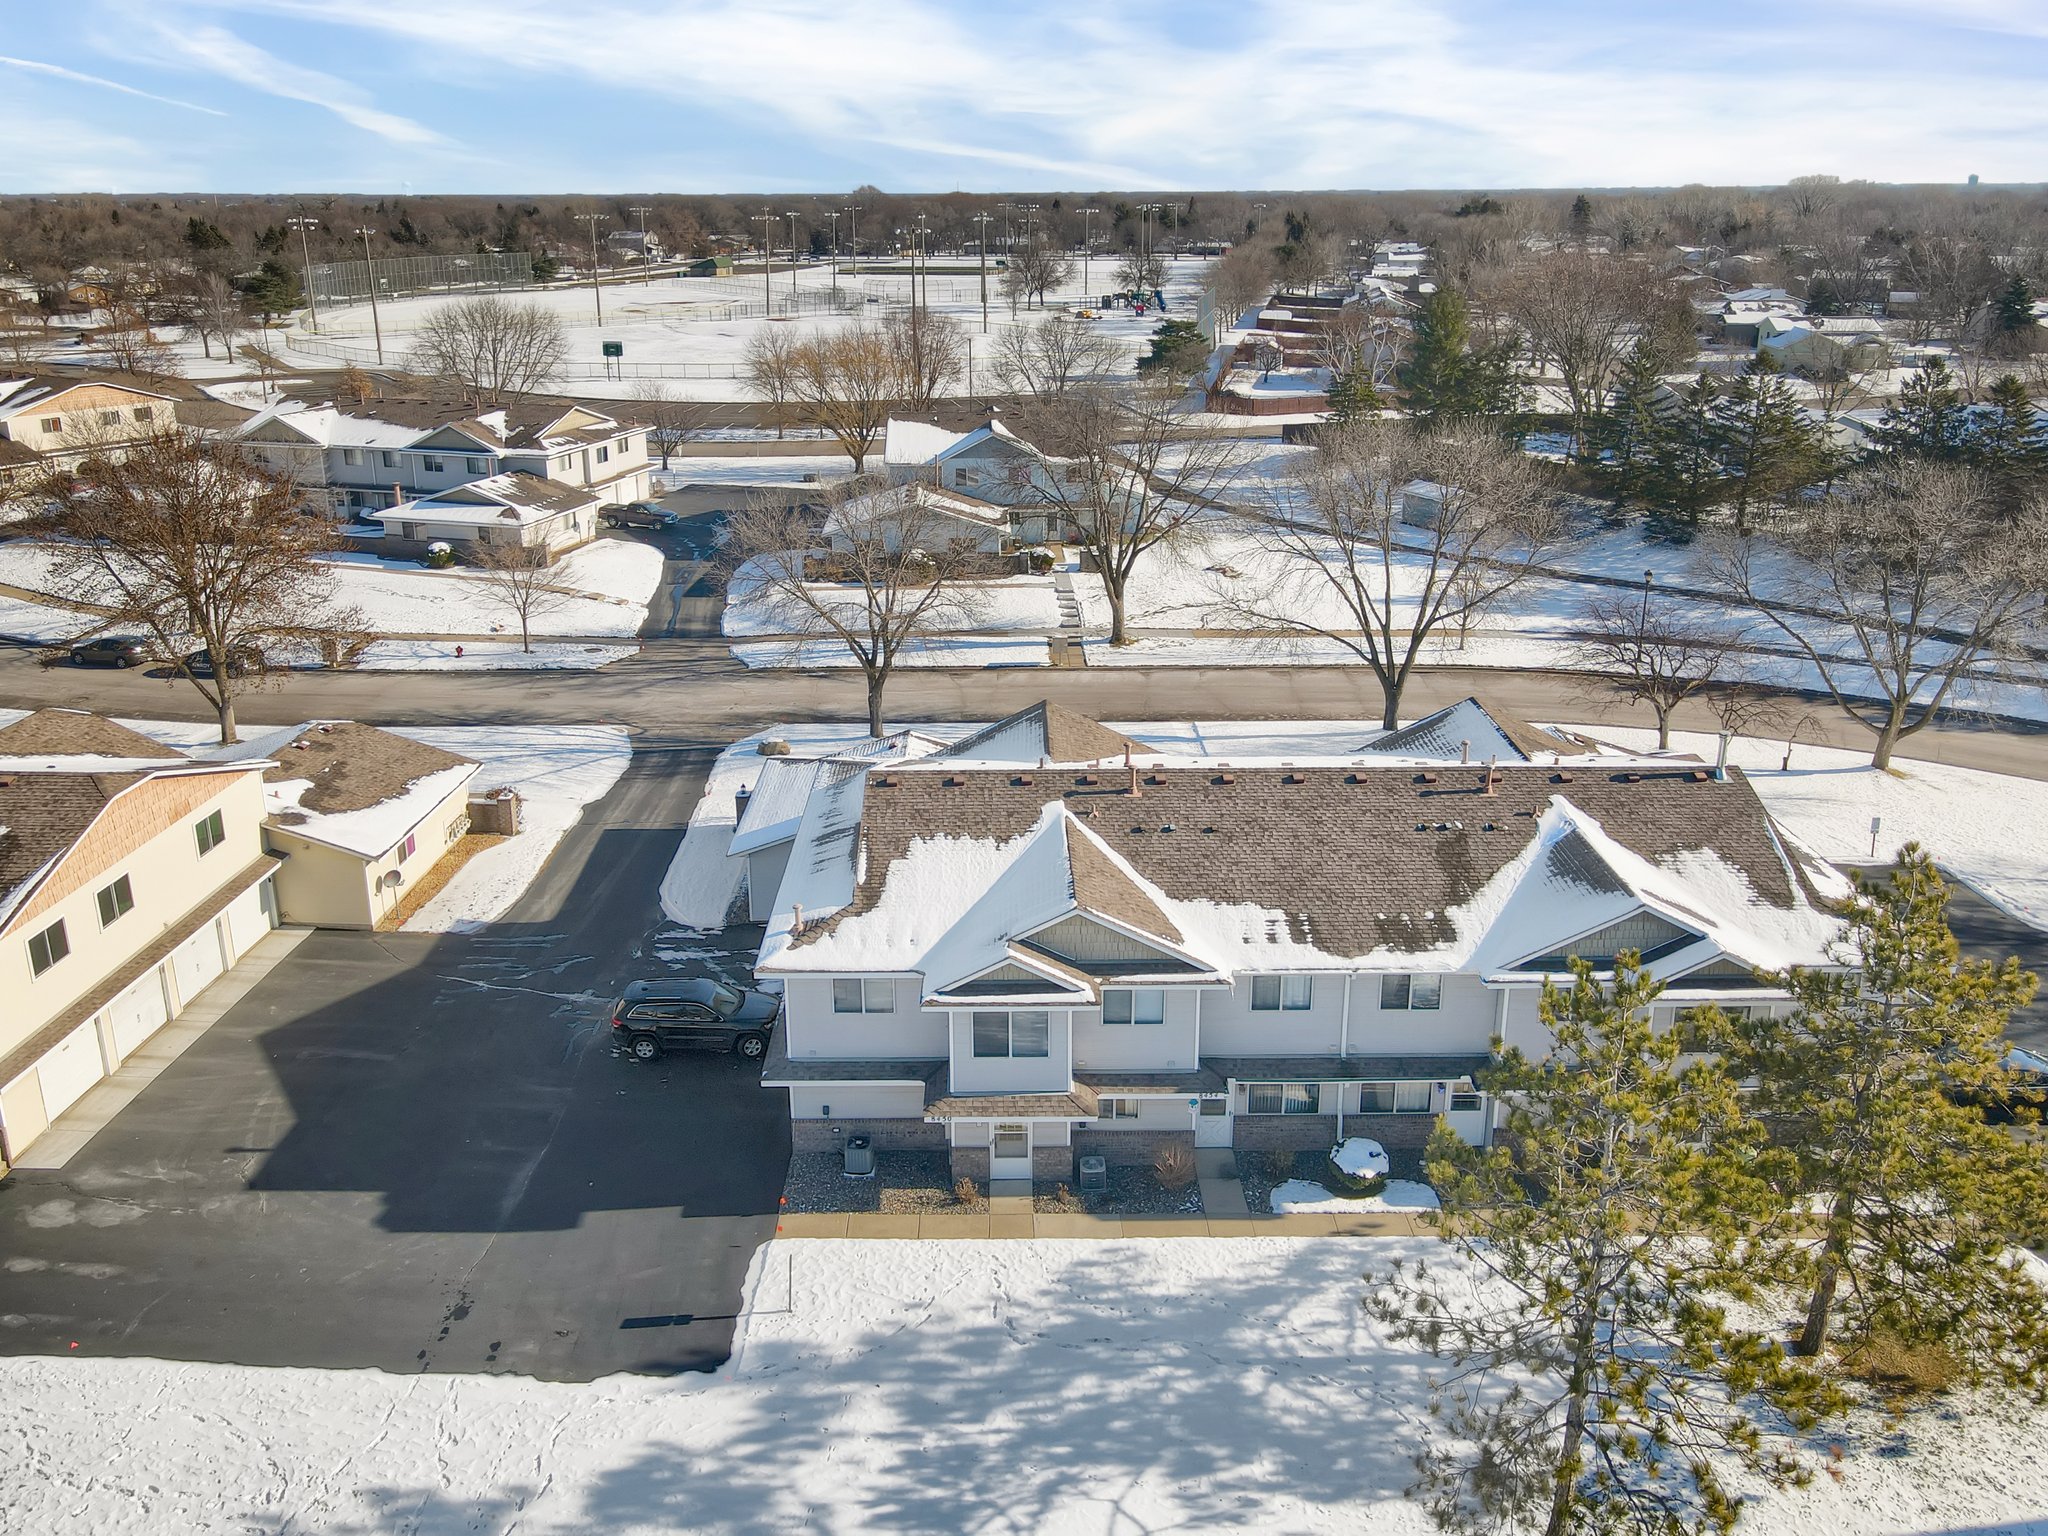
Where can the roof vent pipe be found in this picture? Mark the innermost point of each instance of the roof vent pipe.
(796, 918)
(1465, 753)
(1490, 779)
(1134, 791)
(1721, 760)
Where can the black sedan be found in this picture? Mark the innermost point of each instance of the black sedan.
(243, 661)
(110, 651)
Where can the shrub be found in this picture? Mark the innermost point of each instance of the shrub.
(773, 748)
(1174, 1167)
(966, 1192)
(440, 556)
(1351, 1186)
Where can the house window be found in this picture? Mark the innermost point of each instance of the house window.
(406, 848)
(965, 476)
(390, 459)
(211, 833)
(483, 535)
(115, 900)
(1273, 993)
(433, 466)
(474, 466)
(45, 949)
(1075, 474)
(53, 424)
(1405, 991)
(1117, 1109)
(110, 418)
(1017, 1032)
(1465, 1098)
(1375, 1098)
(1284, 1098)
(409, 530)
(856, 994)
(145, 413)
(562, 465)
(351, 455)
(1134, 1005)
(604, 454)
(1411, 1098)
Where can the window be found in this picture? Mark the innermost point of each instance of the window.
(1375, 1098)
(1411, 1098)
(45, 949)
(1019, 1032)
(351, 455)
(562, 465)
(1465, 1098)
(1117, 1109)
(53, 424)
(1284, 1098)
(1134, 1005)
(855, 994)
(1271, 993)
(406, 848)
(604, 454)
(115, 900)
(390, 459)
(483, 535)
(1405, 991)
(211, 833)
(145, 413)
(110, 418)
(1075, 474)
(432, 465)
(965, 476)
(409, 530)
(474, 466)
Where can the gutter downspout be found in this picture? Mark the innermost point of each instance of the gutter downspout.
(1344, 1047)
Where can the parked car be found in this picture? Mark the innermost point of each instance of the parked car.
(657, 1016)
(638, 514)
(110, 651)
(243, 661)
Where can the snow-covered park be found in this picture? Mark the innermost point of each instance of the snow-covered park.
(1069, 1388)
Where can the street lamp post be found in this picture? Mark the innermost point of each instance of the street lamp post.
(596, 293)
(643, 210)
(306, 265)
(853, 235)
(767, 223)
(370, 282)
(983, 219)
(1087, 246)
(834, 217)
(792, 262)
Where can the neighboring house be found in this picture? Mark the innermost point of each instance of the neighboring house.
(130, 877)
(1026, 960)
(991, 464)
(983, 524)
(368, 457)
(359, 815)
(50, 424)
(635, 245)
(518, 510)
(1818, 345)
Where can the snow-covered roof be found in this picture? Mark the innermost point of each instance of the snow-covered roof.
(1468, 731)
(330, 427)
(512, 497)
(38, 391)
(932, 498)
(915, 442)
(359, 789)
(1045, 732)
(782, 787)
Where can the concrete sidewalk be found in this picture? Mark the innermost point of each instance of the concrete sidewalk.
(1017, 1224)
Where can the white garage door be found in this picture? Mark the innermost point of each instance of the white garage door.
(69, 1069)
(138, 1013)
(196, 962)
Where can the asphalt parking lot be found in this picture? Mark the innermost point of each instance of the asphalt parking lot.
(422, 1152)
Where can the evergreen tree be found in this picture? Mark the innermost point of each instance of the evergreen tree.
(1353, 395)
(1621, 438)
(1929, 420)
(1768, 450)
(1599, 1384)
(1683, 477)
(2012, 313)
(1868, 1085)
(1179, 347)
(202, 236)
(1582, 215)
(273, 288)
(1447, 378)
(2008, 444)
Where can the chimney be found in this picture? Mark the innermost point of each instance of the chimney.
(740, 797)
(1721, 759)
(1133, 790)
(796, 919)
(1465, 753)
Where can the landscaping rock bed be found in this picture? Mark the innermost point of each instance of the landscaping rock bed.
(1131, 1192)
(904, 1184)
(1262, 1174)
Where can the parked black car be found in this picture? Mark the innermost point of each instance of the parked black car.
(110, 651)
(638, 514)
(657, 1016)
(243, 661)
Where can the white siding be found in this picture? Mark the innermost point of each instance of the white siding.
(857, 1101)
(1122, 1047)
(811, 1029)
(1231, 1028)
(1051, 1073)
(1463, 1022)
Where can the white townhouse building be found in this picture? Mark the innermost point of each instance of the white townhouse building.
(378, 455)
(1051, 939)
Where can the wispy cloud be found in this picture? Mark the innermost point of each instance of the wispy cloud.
(58, 71)
(222, 53)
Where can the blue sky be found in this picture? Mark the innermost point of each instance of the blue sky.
(735, 95)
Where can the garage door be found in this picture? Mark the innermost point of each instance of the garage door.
(196, 962)
(69, 1069)
(138, 1013)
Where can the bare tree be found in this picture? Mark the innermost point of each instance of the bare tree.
(198, 548)
(847, 381)
(132, 347)
(1658, 652)
(519, 580)
(870, 567)
(1032, 270)
(672, 419)
(1053, 357)
(1131, 476)
(769, 367)
(1387, 536)
(1141, 272)
(1241, 279)
(1903, 584)
(930, 352)
(217, 313)
(356, 384)
(491, 347)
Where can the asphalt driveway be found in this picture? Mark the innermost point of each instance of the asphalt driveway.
(419, 1152)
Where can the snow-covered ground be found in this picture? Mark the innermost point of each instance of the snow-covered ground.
(1065, 1388)
(754, 470)
(488, 656)
(1298, 1196)
(1017, 603)
(39, 622)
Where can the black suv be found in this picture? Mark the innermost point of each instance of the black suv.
(657, 1016)
(639, 514)
(243, 661)
(110, 651)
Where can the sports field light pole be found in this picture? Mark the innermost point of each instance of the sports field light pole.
(597, 293)
(1087, 245)
(792, 261)
(767, 223)
(984, 219)
(643, 210)
(306, 264)
(370, 282)
(853, 235)
(833, 215)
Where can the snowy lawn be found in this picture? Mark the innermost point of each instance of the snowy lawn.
(752, 470)
(1300, 1195)
(940, 651)
(488, 656)
(1005, 606)
(39, 622)
(1091, 1388)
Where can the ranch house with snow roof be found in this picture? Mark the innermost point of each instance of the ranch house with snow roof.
(991, 464)
(1052, 940)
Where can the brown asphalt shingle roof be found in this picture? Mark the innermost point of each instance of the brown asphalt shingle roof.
(1357, 859)
(353, 767)
(42, 814)
(77, 733)
(1065, 735)
(1100, 886)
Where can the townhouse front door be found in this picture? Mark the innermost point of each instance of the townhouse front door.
(1009, 1152)
(1212, 1123)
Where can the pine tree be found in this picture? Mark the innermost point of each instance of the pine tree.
(1598, 1382)
(1582, 215)
(1353, 396)
(1447, 378)
(1868, 1085)
(1621, 438)
(1683, 477)
(1765, 444)
(2012, 312)
(2008, 444)
(273, 288)
(1929, 420)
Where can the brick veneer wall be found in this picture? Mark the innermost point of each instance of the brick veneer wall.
(890, 1135)
(1392, 1130)
(1285, 1133)
(1129, 1149)
(971, 1163)
(1053, 1164)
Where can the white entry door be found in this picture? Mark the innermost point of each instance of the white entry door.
(1009, 1152)
(1212, 1123)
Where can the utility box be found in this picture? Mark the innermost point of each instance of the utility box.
(860, 1157)
(1094, 1175)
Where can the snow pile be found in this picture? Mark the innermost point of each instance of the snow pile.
(1360, 1156)
(1185, 1384)
(1302, 1197)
